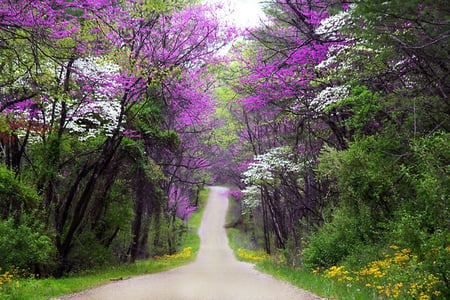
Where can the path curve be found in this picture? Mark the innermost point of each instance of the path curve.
(215, 274)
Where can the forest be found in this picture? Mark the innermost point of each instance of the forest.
(329, 121)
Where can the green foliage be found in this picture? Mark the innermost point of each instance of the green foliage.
(422, 223)
(16, 196)
(427, 174)
(46, 156)
(366, 174)
(165, 234)
(147, 118)
(390, 193)
(32, 288)
(147, 7)
(334, 241)
(120, 209)
(364, 107)
(89, 253)
(23, 245)
(376, 12)
(430, 244)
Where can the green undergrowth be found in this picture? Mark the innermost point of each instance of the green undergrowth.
(246, 250)
(14, 287)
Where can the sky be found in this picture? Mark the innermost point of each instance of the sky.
(247, 13)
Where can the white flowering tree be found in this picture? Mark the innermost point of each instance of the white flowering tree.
(267, 169)
(288, 95)
(275, 185)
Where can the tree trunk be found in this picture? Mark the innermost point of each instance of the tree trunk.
(64, 243)
(136, 229)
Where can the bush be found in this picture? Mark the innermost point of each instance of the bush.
(368, 196)
(15, 196)
(333, 242)
(23, 246)
(88, 253)
(397, 274)
(389, 194)
(368, 174)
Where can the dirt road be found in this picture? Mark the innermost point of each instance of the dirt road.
(215, 275)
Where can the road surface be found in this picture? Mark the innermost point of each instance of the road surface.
(215, 275)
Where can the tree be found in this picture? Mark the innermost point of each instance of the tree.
(71, 98)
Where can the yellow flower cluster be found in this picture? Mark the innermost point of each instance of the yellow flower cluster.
(251, 255)
(6, 280)
(396, 276)
(339, 273)
(185, 253)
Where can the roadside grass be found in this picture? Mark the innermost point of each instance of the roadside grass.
(244, 250)
(316, 284)
(37, 289)
(239, 241)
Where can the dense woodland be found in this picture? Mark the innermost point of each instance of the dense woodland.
(341, 110)
(331, 121)
(106, 106)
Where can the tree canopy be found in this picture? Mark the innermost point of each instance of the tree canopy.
(330, 120)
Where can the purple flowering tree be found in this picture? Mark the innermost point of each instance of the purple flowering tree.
(83, 72)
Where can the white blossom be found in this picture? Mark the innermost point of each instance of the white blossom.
(266, 166)
(266, 169)
(329, 28)
(332, 59)
(331, 25)
(328, 96)
(102, 114)
(251, 198)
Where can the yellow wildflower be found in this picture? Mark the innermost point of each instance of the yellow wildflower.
(424, 297)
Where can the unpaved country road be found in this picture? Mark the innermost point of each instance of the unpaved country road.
(215, 275)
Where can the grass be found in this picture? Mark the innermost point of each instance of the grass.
(37, 289)
(316, 284)
(239, 241)
(245, 250)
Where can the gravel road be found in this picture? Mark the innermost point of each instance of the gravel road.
(215, 275)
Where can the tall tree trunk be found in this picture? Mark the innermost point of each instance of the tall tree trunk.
(157, 228)
(266, 227)
(143, 209)
(280, 236)
(64, 242)
(136, 229)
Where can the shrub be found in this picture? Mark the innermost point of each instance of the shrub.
(333, 242)
(23, 246)
(15, 196)
(397, 274)
(388, 194)
(89, 253)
